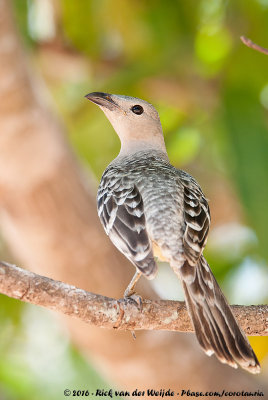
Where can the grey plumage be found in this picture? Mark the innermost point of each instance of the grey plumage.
(148, 206)
(121, 211)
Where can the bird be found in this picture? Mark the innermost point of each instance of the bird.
(150, 209)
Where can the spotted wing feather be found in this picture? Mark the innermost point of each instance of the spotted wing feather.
(216, 328)
(121, 211)
(197, 219)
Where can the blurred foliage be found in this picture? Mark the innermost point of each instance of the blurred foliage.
(246, 132)
(37, 361)
(211, 91)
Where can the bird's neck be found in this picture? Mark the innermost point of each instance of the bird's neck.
(135, 146)
(139, 156)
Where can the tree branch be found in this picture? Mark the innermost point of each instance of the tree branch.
(106, 312)
(253, 45)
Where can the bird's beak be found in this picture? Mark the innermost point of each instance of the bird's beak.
(102, 99)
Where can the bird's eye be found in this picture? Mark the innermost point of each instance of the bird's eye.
(137, 109)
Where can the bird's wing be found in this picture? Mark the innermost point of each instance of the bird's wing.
(121, 211)
(216, 328)
(197, 219)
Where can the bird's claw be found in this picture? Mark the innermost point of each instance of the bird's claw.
(136, 299)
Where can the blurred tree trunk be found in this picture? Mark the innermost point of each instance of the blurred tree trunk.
(48, 218)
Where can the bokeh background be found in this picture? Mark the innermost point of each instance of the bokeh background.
(211, 91)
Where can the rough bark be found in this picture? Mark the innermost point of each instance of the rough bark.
(121, 314)
(253, 45)
(49, 220)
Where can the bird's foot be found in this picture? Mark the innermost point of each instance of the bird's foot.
(134, 298)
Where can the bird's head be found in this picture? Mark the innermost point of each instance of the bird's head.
(135, 121)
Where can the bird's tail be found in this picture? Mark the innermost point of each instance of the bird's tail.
(215, 325)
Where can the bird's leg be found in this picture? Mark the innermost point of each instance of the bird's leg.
(130, 294)
(130, 291)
